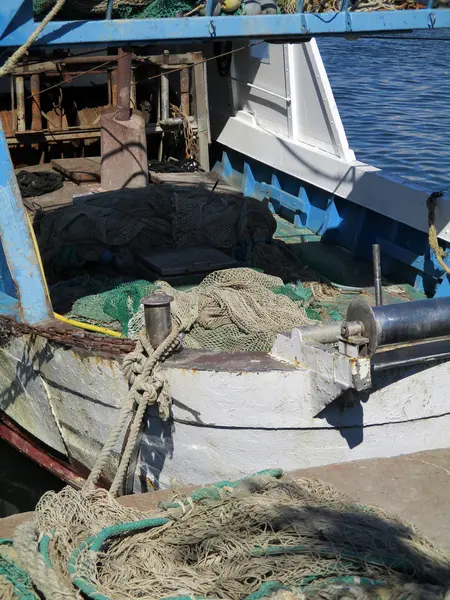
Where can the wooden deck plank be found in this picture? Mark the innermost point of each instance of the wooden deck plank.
(79, 170)
(209, 180)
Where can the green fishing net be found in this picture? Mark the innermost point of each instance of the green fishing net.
(120, 308)
(157, 9)
(135, 9)
(113, 307)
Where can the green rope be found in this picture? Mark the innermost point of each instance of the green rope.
(393, 562)
(44, 548)
(95, 543)
(212, 492)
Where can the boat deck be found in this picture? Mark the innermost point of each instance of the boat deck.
(332, 263)
(415, 487)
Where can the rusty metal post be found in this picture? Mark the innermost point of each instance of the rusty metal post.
(13, 103)
(123, 140)
(123, 111)
(113, 77)
(184, 90)
(36, 116)
(20, 94)
(133, 90)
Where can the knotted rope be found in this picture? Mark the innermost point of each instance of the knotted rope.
(142, 369)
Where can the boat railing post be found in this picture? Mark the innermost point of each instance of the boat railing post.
(18, 246)
(377, 274)
(158, 319)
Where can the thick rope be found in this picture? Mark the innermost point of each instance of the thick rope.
(113, 436)
(147, 386)
(130, 445)
(432, 233)
(44, 578)
(154, 385)
(20, 52)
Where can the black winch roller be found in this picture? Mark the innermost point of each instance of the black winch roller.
(397, 323)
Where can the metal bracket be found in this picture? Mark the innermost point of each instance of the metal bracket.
(355, 346)
(336, 370)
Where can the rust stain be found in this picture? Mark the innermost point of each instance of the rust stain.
(150, 483)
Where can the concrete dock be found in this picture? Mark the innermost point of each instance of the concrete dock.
(415, 487)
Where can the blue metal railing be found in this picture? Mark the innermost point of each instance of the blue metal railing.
(17, 23)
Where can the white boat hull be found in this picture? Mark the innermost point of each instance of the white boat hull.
(232, 413)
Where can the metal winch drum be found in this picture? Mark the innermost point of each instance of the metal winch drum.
(397, 323)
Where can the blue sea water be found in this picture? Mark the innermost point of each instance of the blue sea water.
(394, 99)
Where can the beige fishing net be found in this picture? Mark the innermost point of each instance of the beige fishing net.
(262, 536)
(234, 309)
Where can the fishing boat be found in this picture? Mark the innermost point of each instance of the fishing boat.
(364, 374)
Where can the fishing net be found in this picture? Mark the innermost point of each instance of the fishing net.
(115, 307)
(237, 309)
(15, 583)
(136, 9)
(123, 224)
(256, 538)
(234, 310)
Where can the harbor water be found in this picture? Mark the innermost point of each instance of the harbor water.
(393, 96)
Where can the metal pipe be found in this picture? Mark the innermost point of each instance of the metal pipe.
(377, 274)
(158, 117)
(109, 9)
(13, 104)
(158, 320)
(166, 62)
(123, 112)
(83, 60)
(20, 94)
(164, 97)
(36, 116)
(184, 91)
(114, 87)
(175, 121)
(404, 322)
(287, 99)
(325, 333)
(133, 90)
